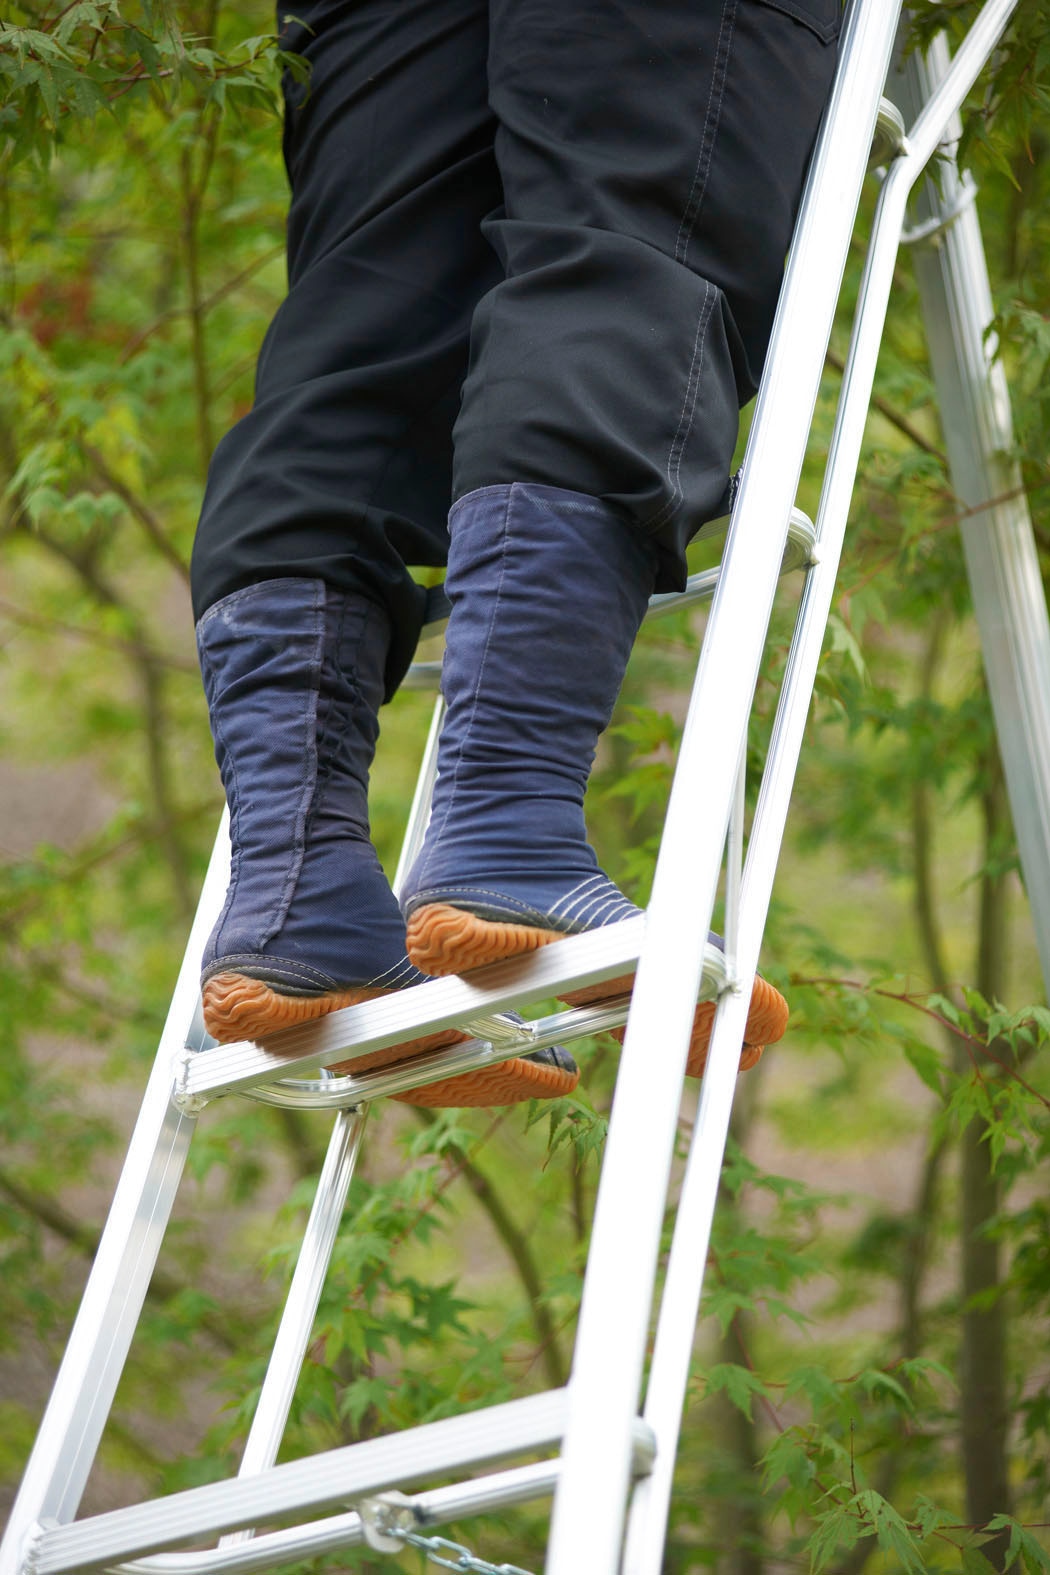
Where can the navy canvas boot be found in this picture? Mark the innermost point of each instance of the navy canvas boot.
(547, 590)
(293, 674)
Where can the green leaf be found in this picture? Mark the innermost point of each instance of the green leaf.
(927, 1062)
(974, 1562)
(844, 642)
(838, 1530)
(738, 1383)
(891, 1531)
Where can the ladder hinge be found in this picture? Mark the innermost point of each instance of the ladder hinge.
(185, 1103)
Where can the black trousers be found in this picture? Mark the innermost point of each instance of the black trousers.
(529, 240)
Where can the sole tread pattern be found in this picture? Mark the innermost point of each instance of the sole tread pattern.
(446, 940)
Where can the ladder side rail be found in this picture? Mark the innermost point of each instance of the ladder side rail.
(105, 1324)
(419, 813)
(618, 1289)
(684, 1279)
(998, 543)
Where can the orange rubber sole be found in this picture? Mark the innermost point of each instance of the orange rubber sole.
(442, 940)
(237, 1007)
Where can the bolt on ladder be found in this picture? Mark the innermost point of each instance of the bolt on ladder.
(609, 1466)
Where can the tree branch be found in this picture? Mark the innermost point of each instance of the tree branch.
(894, 417)
(163, 1286)
(140, 510)
(518, 1250)
(112, 642)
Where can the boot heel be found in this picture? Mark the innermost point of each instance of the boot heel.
(441, 939)
(237, 1007)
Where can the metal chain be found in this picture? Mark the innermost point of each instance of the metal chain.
(436, 1547)
(387, 1519)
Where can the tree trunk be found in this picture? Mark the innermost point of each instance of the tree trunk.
(984, 1411)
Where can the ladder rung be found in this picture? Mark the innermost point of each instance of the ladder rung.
(799, 553)
(437, 1507)
(326, 1481)
(374, 1025)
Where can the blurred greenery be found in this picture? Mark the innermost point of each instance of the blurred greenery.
(871, 1385)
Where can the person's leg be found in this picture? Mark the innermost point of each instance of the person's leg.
(342, 469)
(316, 501)
(652, 156)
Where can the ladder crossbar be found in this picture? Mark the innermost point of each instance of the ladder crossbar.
(699, 587)
(479, 1495)
(374, 1025)
(343, 1092)
(322, 1482)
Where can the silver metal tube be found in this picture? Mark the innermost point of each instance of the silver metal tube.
(615, 1312)
(98, 1345)
(304, 1293)
(735, 864)
(342, 1093)
(684, 1278)
(437, 1506)
(499, 1490)
(701, 587)
(998, 543)
(419, 814)
(323, 1482)
(669, 1373)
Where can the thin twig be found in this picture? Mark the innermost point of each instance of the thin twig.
(893, 416)
(520, 1253)
(918, 1004)
(113, 642)
(136, 506)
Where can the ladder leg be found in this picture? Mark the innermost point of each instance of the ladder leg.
(76, 1415)
(998, 543)
(670, 1365)
(614, 1316)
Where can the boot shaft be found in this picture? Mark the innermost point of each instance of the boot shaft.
(293, 675)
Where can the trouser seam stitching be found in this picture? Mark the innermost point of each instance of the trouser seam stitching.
(690, 215)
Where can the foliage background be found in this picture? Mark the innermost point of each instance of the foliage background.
(872, 1384)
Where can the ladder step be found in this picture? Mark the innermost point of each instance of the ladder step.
(332, 1091)
(323, 1482)
(577, 960)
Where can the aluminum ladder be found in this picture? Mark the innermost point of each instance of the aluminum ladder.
(609, 1463)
